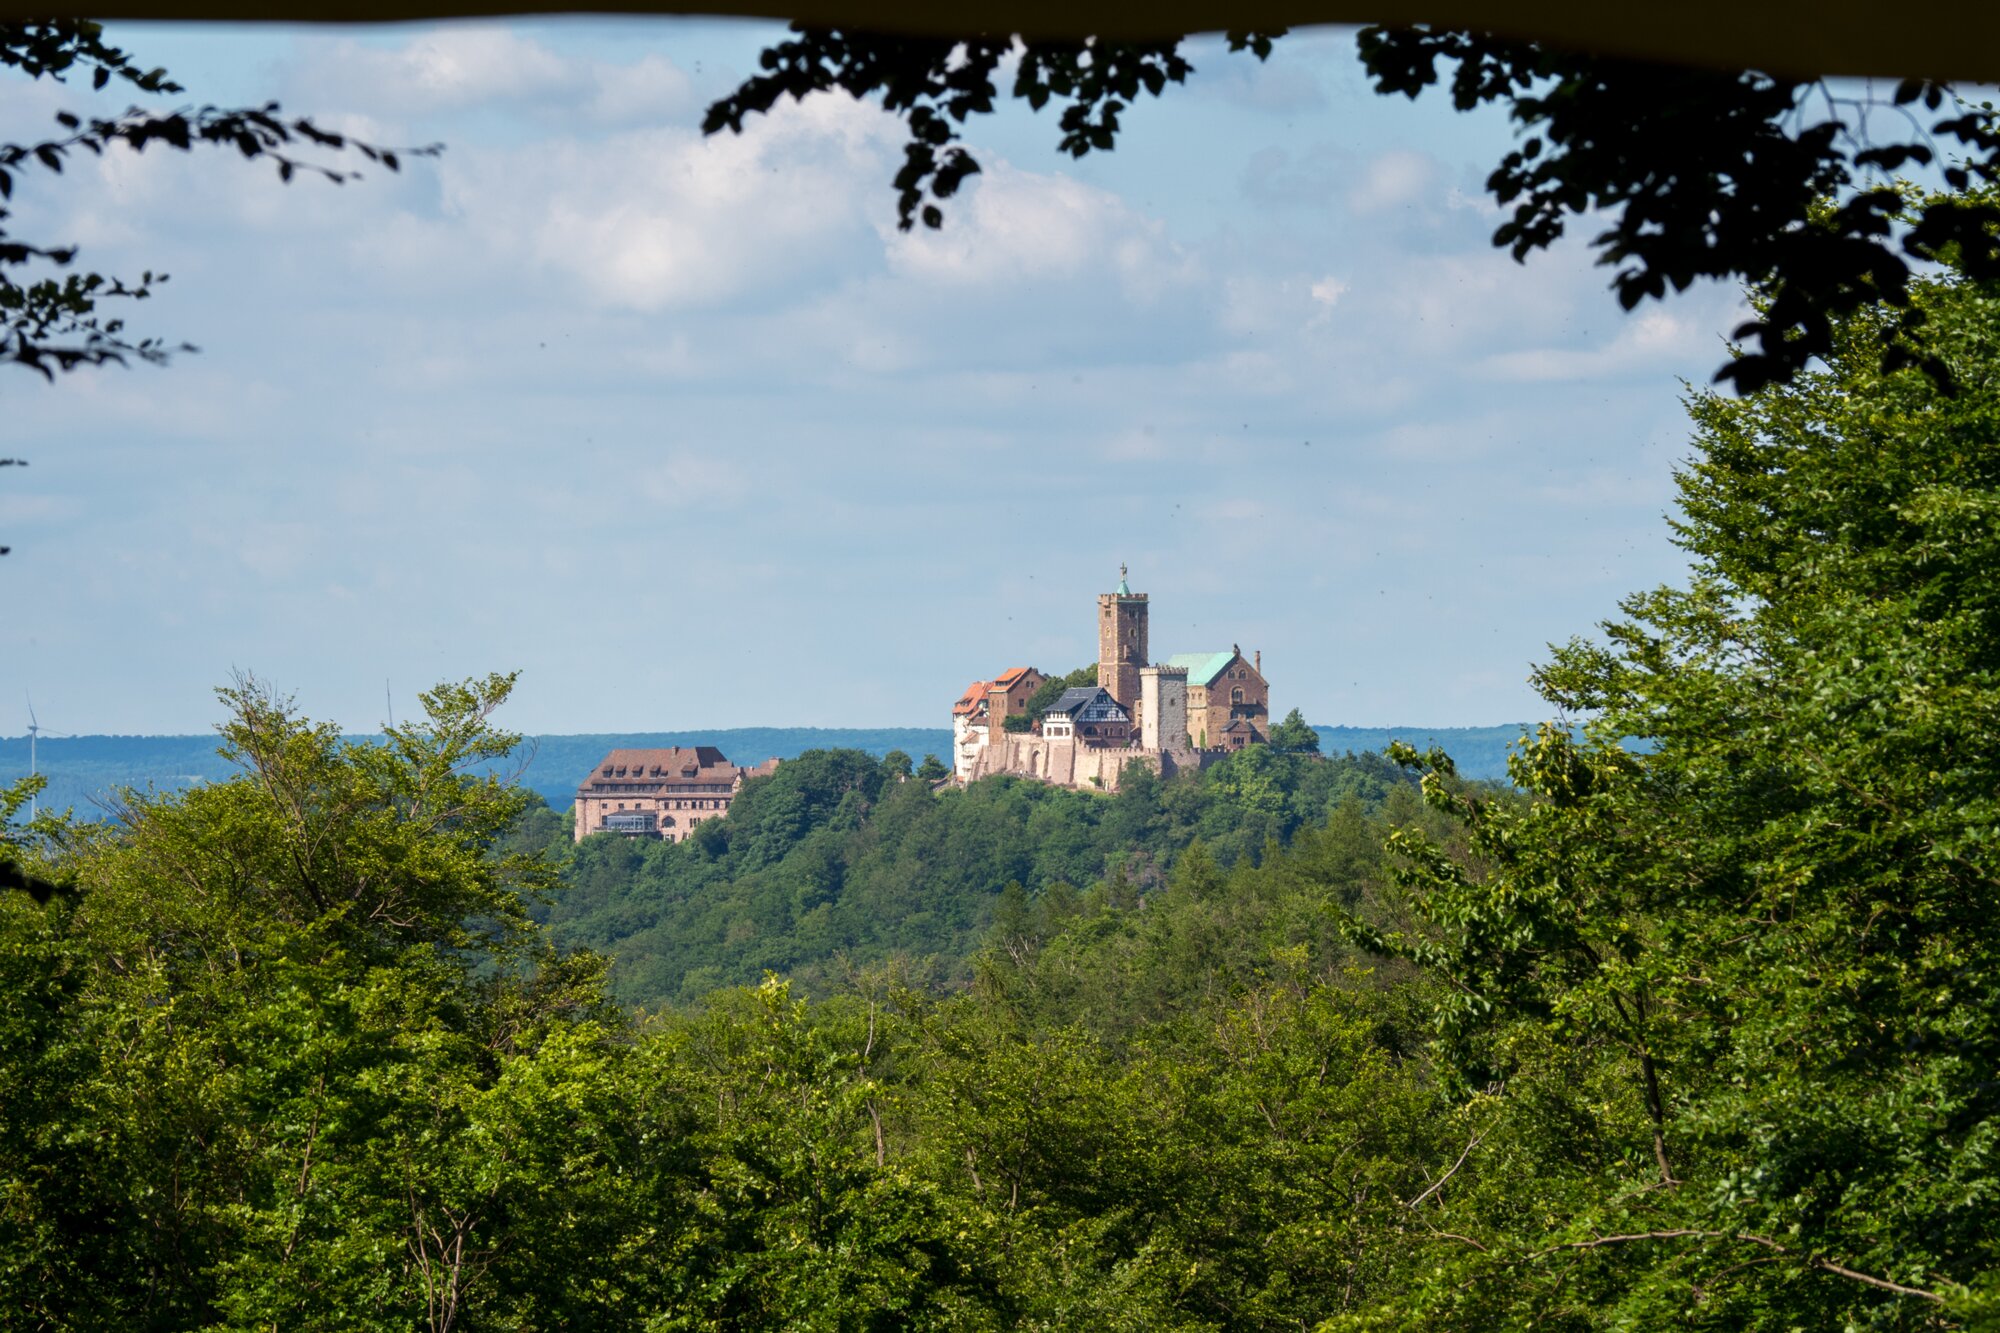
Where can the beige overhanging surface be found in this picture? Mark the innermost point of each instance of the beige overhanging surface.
(1957, 42)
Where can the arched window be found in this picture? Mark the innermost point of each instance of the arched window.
(1236, 695)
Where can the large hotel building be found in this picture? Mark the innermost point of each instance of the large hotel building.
(659, 793)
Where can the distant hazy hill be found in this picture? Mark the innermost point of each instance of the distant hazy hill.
(83, 770)
(560, 762)
(1479, 752)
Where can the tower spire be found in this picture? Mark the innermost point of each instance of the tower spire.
(1124, 590)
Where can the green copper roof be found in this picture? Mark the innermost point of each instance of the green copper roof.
(1202, 668)
(1124, 590)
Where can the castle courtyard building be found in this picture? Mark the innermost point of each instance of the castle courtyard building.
(1228, 700)
(1017, 685)
(1089, 715)
(988, 703)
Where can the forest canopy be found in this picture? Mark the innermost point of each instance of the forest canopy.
(834, 862)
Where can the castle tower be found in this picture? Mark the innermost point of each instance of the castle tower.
(1121, 645)
(1163, 695)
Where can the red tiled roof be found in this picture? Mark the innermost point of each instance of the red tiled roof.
(1006, 679)
(975, 694)
(679, 763)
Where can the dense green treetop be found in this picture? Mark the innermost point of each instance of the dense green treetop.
(1766, 948)
(1294, 734)
(296, 1055)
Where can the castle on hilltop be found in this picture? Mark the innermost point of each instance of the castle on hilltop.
(1169, 716)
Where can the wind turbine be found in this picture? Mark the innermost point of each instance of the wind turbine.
(34, 730)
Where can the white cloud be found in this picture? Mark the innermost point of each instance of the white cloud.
(651, 88)
(1256, 305)
(1328, 291)
(1654, 340)
(1015, 225)
(1399, 178)
(472, 66)
(659, 219)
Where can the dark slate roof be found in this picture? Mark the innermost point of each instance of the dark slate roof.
(1070, 700)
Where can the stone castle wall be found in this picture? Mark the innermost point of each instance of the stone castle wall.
(1062, 761)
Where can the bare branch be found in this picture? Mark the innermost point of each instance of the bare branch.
(1449, 1174)
(1696, 1233)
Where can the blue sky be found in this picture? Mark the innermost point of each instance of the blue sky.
(687, 433)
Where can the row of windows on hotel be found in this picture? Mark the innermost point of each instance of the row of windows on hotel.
(680, 805)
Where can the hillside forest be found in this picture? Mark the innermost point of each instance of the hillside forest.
(1692, 1025)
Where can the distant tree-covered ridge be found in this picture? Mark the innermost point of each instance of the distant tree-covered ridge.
(837, 861)
(85, 771)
